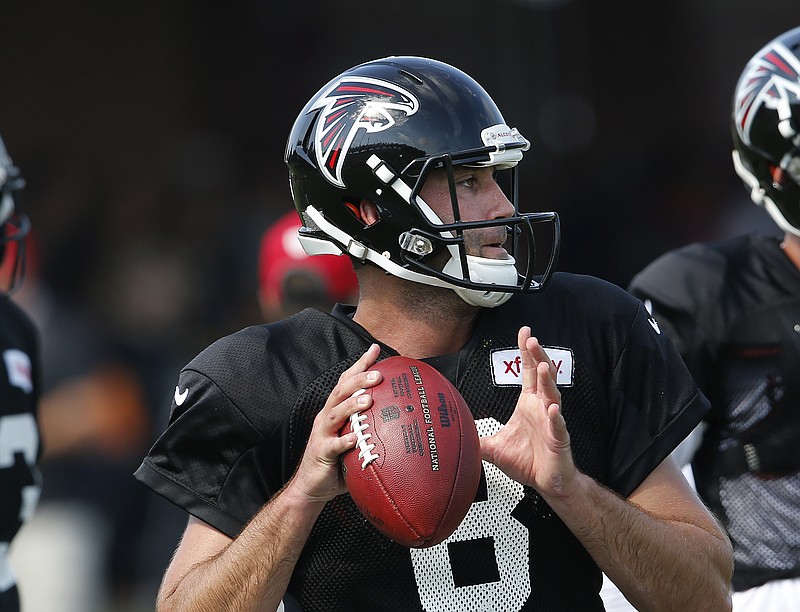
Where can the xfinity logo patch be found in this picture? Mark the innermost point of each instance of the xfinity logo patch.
(507, 366)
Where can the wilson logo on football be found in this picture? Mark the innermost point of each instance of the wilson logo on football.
(350, 105)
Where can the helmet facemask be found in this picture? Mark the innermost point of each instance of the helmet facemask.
(479, 281)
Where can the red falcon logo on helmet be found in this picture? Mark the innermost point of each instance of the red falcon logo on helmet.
(350, 105)
(772, 80)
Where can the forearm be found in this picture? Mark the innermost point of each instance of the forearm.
(253, 571)
(659, 563)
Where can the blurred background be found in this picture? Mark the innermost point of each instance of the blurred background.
(151, 137)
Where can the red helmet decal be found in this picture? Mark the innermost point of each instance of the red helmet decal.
(772, 80)
(349, 105)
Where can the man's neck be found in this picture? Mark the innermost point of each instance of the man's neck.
(416, 320)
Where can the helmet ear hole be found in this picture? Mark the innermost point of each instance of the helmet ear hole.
(778, 176)
(354, 210)
(366, 212)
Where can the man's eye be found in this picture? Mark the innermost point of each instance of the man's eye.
(468, 182)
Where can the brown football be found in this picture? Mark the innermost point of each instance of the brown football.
(416, 467)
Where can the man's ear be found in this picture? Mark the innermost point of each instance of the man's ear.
(368, 212)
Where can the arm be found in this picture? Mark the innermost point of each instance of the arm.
(664, 536)
(211, 571)
(660, 538)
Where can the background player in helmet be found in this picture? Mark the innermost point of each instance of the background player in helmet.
(20, 450)
(398, 162)
(732, 308)
(289, 279)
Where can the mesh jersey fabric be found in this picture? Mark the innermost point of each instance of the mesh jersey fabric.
(732, 308)
(252, 397)
(20, 450)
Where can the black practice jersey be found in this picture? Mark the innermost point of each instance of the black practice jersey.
(243, 410)
(20, 483)
(733, 310)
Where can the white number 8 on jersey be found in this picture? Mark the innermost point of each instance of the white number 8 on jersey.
(490, 519)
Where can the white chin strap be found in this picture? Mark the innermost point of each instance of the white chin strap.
(481, 269)
(484, 270)
(760, 197)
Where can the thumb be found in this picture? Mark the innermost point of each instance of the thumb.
(489, 448)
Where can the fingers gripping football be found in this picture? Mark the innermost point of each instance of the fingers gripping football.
(533, 447)
(318, 476)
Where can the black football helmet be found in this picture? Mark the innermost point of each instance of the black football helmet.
(766, 129)
(375, 132)
(14, 227)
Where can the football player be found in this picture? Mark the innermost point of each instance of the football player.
(733, 310)
(407, 165)
(20, 450)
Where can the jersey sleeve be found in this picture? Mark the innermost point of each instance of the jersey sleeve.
(207, 459)
(658, 403)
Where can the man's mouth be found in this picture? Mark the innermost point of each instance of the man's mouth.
(494, 251)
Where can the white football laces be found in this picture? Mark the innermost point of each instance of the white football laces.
(359, 427)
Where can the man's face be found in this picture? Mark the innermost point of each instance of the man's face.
(479, 198)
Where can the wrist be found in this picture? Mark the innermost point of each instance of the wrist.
(294, 498)
(585, 507)
(569, 492)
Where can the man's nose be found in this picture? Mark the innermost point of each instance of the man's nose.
(502, 206)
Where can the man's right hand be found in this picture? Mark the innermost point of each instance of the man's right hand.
(319, 475)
